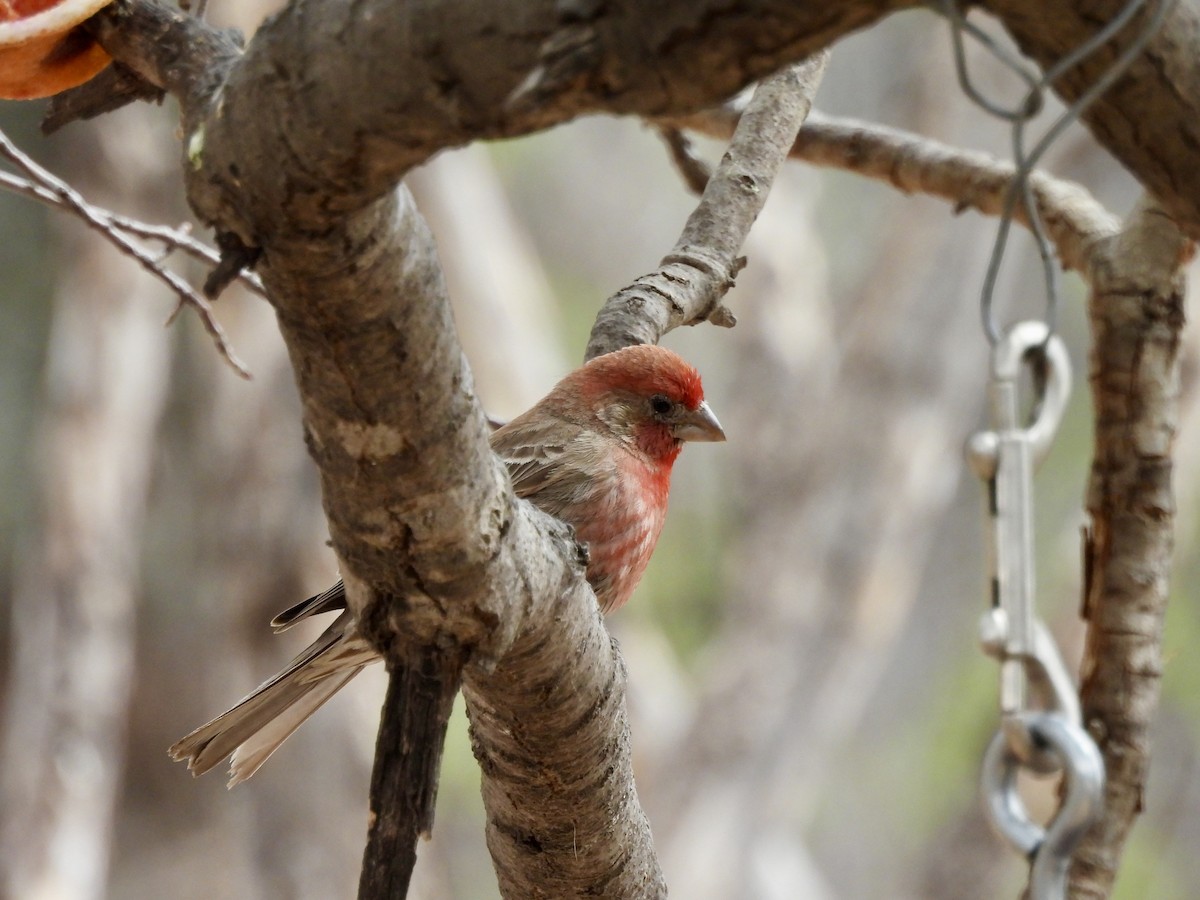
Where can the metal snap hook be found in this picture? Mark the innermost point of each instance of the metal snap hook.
(1021, 345)
(1005, 458)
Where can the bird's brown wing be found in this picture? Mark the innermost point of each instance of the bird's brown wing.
(541, 469)
(548, 464)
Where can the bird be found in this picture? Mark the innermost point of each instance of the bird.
(596, 453)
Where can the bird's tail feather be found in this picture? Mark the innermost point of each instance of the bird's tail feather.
(253, 729)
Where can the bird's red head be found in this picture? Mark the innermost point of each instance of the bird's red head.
(645, 370)
(650, 397)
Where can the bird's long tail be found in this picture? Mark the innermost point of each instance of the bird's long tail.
(253, 729)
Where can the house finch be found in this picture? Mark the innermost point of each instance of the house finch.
(596, 452)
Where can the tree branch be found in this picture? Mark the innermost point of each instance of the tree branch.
(172, 239)
(1150, 118)
(688, 285)
(508, 68)
(408, 760)
(512, 67)
(552, 740)
(694, 170)
(1136, 312)
(915, 164)
(434, 550)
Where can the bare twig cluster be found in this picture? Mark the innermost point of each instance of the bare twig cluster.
(42, 185)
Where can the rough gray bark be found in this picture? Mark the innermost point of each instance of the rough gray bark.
(1137, 317)
(562, 818)
(459, 70)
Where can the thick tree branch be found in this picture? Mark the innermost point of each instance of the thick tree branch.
(434, 550)
(502, 69)
(512, 67)
(688, 285)
(552, 739)
(1136, 312)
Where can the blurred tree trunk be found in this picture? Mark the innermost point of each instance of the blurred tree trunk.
(73, 610)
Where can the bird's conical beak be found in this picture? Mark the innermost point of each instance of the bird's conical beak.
(699, 425)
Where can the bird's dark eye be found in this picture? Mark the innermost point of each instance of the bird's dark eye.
(661, 405)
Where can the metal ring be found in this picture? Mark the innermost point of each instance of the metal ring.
(1049, 849)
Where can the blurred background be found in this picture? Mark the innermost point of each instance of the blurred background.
(808, 703)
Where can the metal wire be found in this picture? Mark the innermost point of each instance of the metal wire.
(1022, 114)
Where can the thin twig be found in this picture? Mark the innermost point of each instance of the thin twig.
(173, 239)
(49, 189)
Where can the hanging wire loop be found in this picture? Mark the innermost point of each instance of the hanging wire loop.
(1029, 344)
(1019, 116)
(1040, 726)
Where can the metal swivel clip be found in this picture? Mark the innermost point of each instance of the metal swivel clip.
(1040, 718)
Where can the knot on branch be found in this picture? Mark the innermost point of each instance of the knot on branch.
(717, 279)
